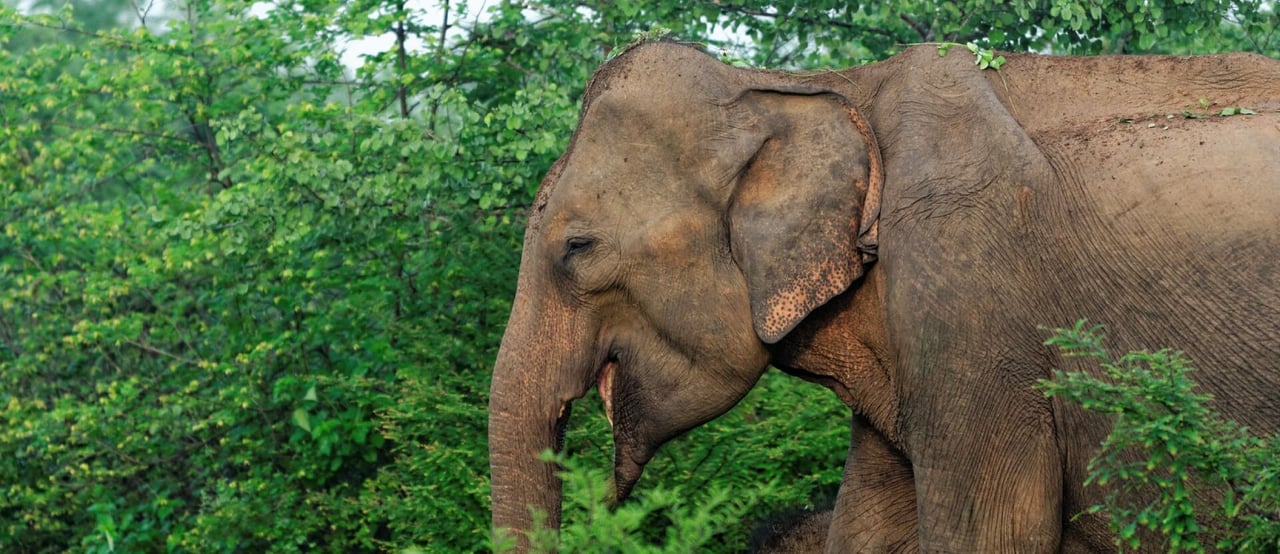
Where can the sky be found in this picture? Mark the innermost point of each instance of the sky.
(432, 13)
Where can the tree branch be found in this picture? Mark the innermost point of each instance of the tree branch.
(148, 348)
(98, 35)
(402, 59)
(926, 35)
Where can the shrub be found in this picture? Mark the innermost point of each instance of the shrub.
(1168, 440)
(783, 446)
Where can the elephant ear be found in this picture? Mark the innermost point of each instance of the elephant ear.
(801, 202)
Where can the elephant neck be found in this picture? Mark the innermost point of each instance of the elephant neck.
(843, 346)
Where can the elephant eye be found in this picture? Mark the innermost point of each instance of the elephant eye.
(577, 245)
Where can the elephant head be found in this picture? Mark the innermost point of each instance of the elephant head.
(699, 214)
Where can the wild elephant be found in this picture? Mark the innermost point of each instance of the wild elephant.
(899, 232)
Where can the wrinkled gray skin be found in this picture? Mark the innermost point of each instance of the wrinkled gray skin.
(708, 221)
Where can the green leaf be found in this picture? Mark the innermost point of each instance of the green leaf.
(302, 419)
(1146, 41)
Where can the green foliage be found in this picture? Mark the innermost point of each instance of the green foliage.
(984, 58)
(250, 296)
(1236, 110)
(660, 520)
(783, 446)
(1170, 448)
(785, 430)
(1163, 26)
(827, 33)
(226, 265)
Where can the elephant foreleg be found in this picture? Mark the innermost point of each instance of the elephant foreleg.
(988, 484)
(876, 508)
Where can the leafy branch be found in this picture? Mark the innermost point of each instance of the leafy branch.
(1165, 446)
(984, 58)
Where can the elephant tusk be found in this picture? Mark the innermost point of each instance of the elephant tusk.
(606, 390)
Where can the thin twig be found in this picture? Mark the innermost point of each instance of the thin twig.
(925, 34)
(157, 351)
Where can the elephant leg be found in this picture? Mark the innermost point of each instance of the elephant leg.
(995, 486)
(876, 508)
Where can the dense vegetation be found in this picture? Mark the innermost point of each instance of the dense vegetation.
(253, 277)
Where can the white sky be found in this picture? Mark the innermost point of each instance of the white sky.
(430, 13)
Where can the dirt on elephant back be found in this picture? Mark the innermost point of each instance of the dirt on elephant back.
(1112, 104)
(1086, 95)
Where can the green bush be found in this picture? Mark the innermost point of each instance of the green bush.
(226, 266)
(783, 446)
(659, 520)
(1167, 441)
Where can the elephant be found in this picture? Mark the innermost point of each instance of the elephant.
(900, 232)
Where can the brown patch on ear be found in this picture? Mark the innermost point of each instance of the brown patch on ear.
(799, 206)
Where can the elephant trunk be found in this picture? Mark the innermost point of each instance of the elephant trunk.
(538, 373)
(520, 428)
